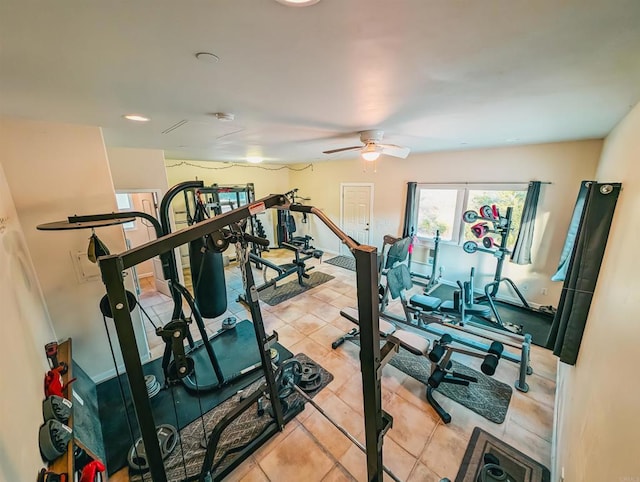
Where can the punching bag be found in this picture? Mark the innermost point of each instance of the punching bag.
(207, 274)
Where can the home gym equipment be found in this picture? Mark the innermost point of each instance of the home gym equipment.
(397, 250)
(439, 353)
(210, 285)
(287, 224)
(432, 281)
(53, 439)
(207, 271)
(423, 312)
(297, 266)
(500, 225)
(167, 439)
(377, 422)
(56, 408)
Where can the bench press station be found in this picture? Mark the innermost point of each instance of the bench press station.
(423, 312)
(439, 354)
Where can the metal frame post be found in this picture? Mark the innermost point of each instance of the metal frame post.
(367, 276)
(112, 268)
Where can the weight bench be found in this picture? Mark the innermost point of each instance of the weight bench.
(424, 312)
(439, 354)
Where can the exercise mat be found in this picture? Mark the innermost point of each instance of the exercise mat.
(235, 349)
(188, 461)
(488, 397)
(275, 295)
(346, 262)
(520, 467)
(536, 323)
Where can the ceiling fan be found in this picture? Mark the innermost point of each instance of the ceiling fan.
(372, 147)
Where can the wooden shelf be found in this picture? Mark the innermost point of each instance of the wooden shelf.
(64, 463)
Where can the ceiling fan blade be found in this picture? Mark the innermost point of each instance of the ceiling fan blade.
(395, 151)
(333, 151)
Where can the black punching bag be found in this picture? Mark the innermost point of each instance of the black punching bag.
(207, 274)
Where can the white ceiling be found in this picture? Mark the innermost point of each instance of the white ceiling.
(434, 74)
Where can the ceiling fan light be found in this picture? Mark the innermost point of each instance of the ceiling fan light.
(370, 153)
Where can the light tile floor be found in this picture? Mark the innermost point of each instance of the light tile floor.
(419, 447)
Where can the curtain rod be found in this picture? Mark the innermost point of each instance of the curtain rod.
(490, 182)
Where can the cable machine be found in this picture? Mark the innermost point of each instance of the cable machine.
(225, 229)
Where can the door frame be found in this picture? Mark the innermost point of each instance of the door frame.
(157, 194)
(356, 184)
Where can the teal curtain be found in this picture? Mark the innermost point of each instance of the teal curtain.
(569, 242)
(522, 249)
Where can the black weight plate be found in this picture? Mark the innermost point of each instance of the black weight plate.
(287, 376)
(310, 373)
(167, 439)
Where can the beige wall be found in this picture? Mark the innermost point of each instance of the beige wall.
(564, 164)
(27, 328)
(599, 397)
(53, 171)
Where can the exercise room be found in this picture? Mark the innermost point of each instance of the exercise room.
(319, 241)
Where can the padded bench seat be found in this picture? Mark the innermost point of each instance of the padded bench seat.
(415, 344)
(427, 303)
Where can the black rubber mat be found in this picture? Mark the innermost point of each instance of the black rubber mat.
(518, 466)
(536, 323)
(249, 425)
(488, 397)
(346, 262)
(235, 349)
(286, 291)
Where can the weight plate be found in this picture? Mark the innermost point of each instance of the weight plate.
(275, 355)
(167, 439)
(486, 211)
(469, 216)
(150, 381)
(287, 376)
(229, 323)
(470, 247)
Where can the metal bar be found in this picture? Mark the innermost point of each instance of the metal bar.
(251, 295)
(153, 248)
(366, 276)
(348, 240)
(111, 267)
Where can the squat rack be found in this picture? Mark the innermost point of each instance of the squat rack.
(377, 422)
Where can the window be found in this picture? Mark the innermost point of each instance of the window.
(124, 204)
(440, 207)
(437, 211)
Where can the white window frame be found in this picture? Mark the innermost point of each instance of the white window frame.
(462, 203)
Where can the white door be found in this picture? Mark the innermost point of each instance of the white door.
(357, 203)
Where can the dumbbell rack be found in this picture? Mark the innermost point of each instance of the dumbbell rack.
(65, 464)
(502, 227)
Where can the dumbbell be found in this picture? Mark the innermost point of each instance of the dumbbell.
(490, 362)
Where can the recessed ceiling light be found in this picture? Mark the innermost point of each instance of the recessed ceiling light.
(207, 57)
(254, 159)
(137, 118)
(298, 3)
